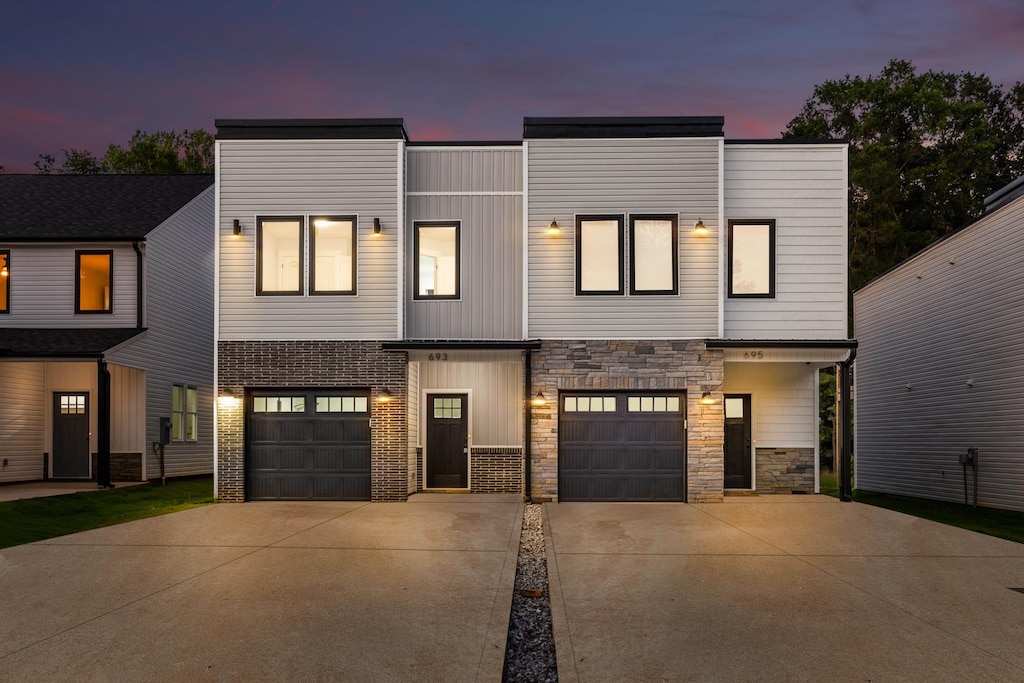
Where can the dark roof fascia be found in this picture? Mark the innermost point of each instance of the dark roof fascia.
(94, 349)
(467, 143)
(781, 343)
(1004, 195)
(311, 129)
(787, 141)
(623, 127)
(415, 344)
(71, 240)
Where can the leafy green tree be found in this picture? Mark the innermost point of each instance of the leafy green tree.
(925, 150)
(158, 153)
(76, 162)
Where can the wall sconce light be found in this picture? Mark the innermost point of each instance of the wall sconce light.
(236, 227)
(227, 399)
(707, 399)
(539, 399)
(970, 382)
(910, 387)
(376, 227)
(4, 272)
(699, 228)
(553, 229)
(384, 396)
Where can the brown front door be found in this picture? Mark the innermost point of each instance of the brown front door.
(71, 436)
(447, 456)
(737, 441)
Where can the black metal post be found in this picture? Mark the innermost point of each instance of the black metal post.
(844, 422)
(103, 425)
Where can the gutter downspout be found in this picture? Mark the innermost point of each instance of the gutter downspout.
(845, 418)
(103, 424)
(138, 284)
(527, 421)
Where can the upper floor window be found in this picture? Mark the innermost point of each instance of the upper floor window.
(5, 281)
(599, 262)
(279, 254)
(184, 412)
(436, 260)
(752, 258)
(332, 243)
(94, 284)
(654, 254)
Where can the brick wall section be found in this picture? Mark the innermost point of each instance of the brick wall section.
(493, 470)
(345, 364)
(784, 470)
(642, 365)
(123, 467)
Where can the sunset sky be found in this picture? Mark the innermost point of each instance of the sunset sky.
(82, 74)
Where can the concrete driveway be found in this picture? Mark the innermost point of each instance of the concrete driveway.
(269, 591)
(786, 588)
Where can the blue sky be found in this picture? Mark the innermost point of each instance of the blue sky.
(83, 74)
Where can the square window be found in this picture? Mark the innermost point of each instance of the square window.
(259, 404)
(94, 285)
(436, 261)
(570, 404)
(599, 262)
(332, 241)
(279, 254)
(752, 259)
(654, 254)
(733, 408)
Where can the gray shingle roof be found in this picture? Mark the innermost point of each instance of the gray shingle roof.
(91, 207)
(77, 343)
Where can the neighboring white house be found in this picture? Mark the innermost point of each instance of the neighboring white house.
(106, 325)
(940, 369)
(608, 309)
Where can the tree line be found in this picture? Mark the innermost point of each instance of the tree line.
(190, 151)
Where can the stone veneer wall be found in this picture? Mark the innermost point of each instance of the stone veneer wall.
(642, 365)
(347, 364)
(123, 467)
(784, 470)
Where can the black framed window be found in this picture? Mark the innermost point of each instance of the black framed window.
(332, 260)
(279, 255)
(654, 254)
(5, 281)
(184, 412)
(599, 255)
(94, 281)
(436, 264)
(752, 258)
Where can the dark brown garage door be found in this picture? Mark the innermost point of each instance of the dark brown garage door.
(621, 446)
(308, 445)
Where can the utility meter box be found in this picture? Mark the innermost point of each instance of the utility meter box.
(165, 430)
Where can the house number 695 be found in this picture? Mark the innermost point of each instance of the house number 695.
(753, 355)
(438, 356)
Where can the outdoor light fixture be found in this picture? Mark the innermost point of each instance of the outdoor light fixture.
(384, 396)
(699, 228)
(227, 398)
(970, 382)
(707, 399)
(236, 227)
(4, 272)
(539, 399)
(376, 227)
(553, 229)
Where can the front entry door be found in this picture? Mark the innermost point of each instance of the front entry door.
(70, 436)
(737, 441)
(447, 441)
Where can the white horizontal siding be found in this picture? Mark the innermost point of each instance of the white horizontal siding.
(42, 287)
(21, 421)
(782, 402)
(803, 188)
(949, 315)
(303, 177)
(497, 404)
(572, 177)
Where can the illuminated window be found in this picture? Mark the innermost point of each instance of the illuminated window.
(279, 404)
(653, 404)
(599, 255)
(752, 259)
(332, 241)
(436, 265)
(450, 408)
(653, 254)
(589, 404)
(5, 281)
(94, 286)
(341, 404)
(184, 412)
(279, 268)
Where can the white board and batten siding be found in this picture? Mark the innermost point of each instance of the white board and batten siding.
(22, 422)
(949, 315)
(481, 188)
(803, 188)
(177, 347)
(304, 178)
(783, 403)
(570, 177)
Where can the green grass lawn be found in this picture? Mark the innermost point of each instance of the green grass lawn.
(35, 519)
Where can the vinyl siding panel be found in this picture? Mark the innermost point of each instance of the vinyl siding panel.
(42, 287)
(22, 421)
(572, 177)
(303, 177)
(782, 402)
(803, 188)
(496, 403)
(472, 169)
(948, 315)
(177, 347)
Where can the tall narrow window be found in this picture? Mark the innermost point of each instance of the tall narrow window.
(279, 255)
(436, 265)
(752, 258)
(94, 284)
(184, 412)
(654, 254)
(332, 241)
(599, 262)
(5, 281)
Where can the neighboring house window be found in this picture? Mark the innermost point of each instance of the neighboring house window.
(5, 281)
(184, 412)
(436, 265)
(332, 243)
(654, 254)
(599, 262)
(279, 249)
(752, 258)
(94, 284)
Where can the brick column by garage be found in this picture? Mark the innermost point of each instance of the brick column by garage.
(305, 364)
(587, 365)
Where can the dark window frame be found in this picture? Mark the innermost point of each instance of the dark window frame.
(584, 218)
(79, 253)
(770, 294)
(672, 218)
(184, 414)
(259, 256)
(416, 260)
(313, 291)
(5, 254)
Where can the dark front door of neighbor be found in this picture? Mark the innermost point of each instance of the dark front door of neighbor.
(737, 441)
(447, 441)
(71, 436)
(622, 446)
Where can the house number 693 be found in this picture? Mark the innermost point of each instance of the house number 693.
(753, 355)
(438, 356)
